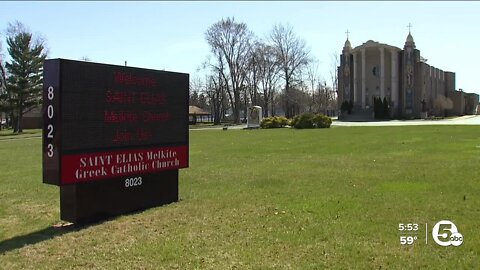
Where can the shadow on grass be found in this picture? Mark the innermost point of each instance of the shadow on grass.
(38, 236)
(52, 231)
(8, 134)
(18, 138)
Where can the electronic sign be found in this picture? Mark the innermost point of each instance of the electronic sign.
(112, 123)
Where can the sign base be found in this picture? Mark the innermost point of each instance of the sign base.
(99, 200)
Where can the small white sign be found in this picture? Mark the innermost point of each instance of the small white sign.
(254, 117)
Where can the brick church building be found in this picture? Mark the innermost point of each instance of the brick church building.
(412, 88)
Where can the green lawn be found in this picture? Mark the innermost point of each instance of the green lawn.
(267, 199)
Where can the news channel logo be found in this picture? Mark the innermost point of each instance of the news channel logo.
(445, 233)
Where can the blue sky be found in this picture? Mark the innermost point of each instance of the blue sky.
(170, 35)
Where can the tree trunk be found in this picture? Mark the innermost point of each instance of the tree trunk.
(219, 108)
(216, 113)
(245, 102)
(265, 107)
(287, 99)
(236, 107)
(9, 120)
(272, 105)
(266, 98)
(15, 121)
(20, 120)
(15, 124)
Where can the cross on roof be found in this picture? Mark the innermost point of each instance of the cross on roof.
(347, 33)
(409, 26)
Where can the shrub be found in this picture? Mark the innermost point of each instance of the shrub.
(283, 120)
(386, 108)
(381, 108)
(303, 121)
(274, 122)
(309, 120)
(266, 123)
(344, 106)
(377, 108)
(293, 121)
(350, 107)
(322, 121)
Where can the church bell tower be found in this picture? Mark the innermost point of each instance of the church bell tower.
(410, 56)
(346, 72)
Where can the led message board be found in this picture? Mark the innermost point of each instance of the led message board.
(103, 121)
(111, 135)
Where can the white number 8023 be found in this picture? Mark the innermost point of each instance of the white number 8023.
(133, 182)
(50, 96)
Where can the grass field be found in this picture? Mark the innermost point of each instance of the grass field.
(267, 199)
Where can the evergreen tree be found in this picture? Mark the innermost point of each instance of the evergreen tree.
(3, 82)
(3, 92)
(350, 107)
(380, 108)
(344, 106)
(375, 108)
(386, 108)
(25, 74)
(2, 78)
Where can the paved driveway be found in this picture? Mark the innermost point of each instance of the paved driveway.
(463, 120)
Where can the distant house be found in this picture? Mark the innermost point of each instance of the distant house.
(33, 118)
(196, 114)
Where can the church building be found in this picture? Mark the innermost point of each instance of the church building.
(412, 88)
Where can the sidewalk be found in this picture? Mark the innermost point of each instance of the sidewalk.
(462, 120)
(241, 126)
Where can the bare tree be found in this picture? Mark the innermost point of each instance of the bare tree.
(321, 96)
(335, 62)
(232, 42)
(313, 79)
(3, 86)
(325, 100)
(216, 86)
(250, 95)
(299, 97)
(442, 103)
(86, 59)
(268, 75)
(3, 91)
(253, 72)
(215, 89)
(195, 88)
(292, 56)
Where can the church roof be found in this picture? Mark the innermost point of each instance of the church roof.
(196, 110)
(409, 38)
(375, 44)
(409, 41)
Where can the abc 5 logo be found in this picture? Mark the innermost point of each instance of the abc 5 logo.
(445, 239)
